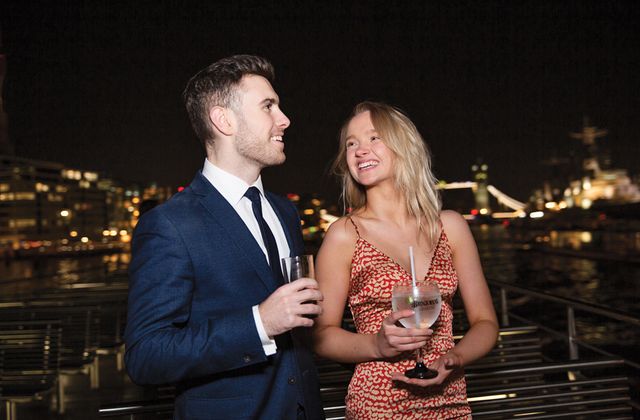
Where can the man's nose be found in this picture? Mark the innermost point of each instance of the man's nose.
(283, 121)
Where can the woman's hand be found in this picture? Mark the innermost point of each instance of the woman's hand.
(392, 340)
(444, 366)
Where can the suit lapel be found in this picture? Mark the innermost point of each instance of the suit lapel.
(226, 217)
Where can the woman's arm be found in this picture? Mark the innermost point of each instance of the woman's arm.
(333, 270)
(483, 331)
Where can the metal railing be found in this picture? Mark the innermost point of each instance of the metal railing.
(571, 305)
(336, 381)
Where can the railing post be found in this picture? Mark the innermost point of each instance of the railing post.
(504, 308)
(571, 327)
(11, 410)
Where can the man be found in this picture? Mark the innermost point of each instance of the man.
(207, 308)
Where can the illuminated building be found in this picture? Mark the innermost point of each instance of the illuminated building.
(32, 195)
(42, 200)
(594, 184)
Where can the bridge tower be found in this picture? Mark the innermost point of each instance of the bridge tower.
(480, 172)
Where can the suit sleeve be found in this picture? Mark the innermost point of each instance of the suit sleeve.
(162, 344)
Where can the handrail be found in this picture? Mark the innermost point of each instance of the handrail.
(576, 341)
(98, 268)
(546, 368)
(136, 407)
(578, 304)
(570, 305)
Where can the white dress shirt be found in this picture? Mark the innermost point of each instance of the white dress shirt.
(232, 189)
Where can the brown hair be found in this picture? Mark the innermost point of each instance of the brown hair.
(216, 85)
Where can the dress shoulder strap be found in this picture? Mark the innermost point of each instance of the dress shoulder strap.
(435, 250)
(354, 225)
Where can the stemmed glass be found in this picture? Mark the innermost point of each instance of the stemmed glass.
(423, 297)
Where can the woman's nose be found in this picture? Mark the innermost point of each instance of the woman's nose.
(362, 150)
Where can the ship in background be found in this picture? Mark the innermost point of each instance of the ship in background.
(594, 187)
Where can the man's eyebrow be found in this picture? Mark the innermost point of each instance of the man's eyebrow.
(268, 101)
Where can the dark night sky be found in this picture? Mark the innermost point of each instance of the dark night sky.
(97, 85)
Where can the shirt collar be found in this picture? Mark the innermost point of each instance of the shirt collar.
(228, 185)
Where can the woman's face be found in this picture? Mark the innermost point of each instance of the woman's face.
(369, 159)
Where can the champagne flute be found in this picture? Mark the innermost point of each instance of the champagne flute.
(424, 299)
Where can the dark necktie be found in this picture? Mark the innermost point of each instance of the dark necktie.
(253, 194)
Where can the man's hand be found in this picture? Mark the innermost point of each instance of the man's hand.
(286, 308)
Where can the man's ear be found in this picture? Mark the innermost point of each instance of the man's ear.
(222, 120)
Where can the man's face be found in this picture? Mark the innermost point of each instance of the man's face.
(261, 123)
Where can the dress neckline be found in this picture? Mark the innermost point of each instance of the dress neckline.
(388, 257)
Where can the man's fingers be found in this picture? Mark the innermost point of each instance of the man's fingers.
(290, 306)
(301, 290)
(310, 309)
(303, 283)
(309, 294)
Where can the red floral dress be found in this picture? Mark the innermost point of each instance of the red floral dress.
(372, 394)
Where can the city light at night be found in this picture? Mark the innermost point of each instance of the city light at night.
(531, 122)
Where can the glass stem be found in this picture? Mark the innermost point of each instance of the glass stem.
(419, 355)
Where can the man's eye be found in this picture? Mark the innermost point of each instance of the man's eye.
(268, 106)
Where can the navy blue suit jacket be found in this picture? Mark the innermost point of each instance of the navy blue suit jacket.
(195, 274)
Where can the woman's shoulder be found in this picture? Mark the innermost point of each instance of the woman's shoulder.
(344, 230)
(451, 218)
(339, 242)
(454, 225)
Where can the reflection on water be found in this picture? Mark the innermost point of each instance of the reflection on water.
(614, 284)
(18, 277)
(613, 243)
(610, 283)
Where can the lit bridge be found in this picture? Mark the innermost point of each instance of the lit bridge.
(479, 189)
(517, 206)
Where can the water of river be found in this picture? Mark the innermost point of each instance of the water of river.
(22, 276)
(611, 282)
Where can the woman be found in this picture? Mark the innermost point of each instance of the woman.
(387, 181)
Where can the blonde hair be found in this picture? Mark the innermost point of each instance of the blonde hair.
(412, 169)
